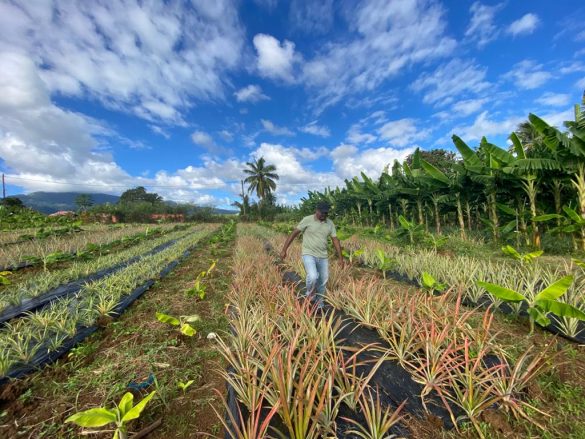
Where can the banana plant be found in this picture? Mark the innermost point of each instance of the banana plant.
(410, 229)
(199, 288)
(182, 322)
(120, 415)
(430, 285)
(384, 262)
(541, 304)
(351, 254)
(184, 386)
(524, 258)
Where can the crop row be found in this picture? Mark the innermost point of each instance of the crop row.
(17, 236)
(463, 273)
(452, 352)
(45, 331)
(40, 283)
(53, 248)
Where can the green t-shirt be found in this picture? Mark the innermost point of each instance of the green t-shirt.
(315, 234)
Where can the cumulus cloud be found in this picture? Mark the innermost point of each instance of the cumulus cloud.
(554, 99)
(388, 38)
(485, 125)
(201, 138)
(528, 75)
(275, 129)
(402, 132)
(451, 80)
(481, 28)
(138, 57)
(61, 146)
(250, 93)
(275, 60)
(315, 129)
(295, 178)
(349, 161)
(524, 26)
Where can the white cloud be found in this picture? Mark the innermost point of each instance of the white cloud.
(581, 83)
(275, 129)
(138, 57)
(528, 75)
(275, 60)
(557, 118)
(482, 28)
(387, 38)
(201, 138)
(313, 17)
(402, 132)
(295, 178)
(349, 161)
(250, 93)
(356, 136)
(524, 26)
(468, 107)
(317, 130)
(226, 135)
(450, 80)
(484, 125)
(554, 99)
(61, 146)
(159, 130)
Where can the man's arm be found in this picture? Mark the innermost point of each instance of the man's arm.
(337, 246)
(288, 242)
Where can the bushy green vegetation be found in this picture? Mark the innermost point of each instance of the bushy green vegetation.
(515, 195)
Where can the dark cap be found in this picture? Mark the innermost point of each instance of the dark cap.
(323, 206)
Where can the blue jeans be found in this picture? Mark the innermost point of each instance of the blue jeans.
(317, 270)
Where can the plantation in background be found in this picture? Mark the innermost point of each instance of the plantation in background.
(459, 310)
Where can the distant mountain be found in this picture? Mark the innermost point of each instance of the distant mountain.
(50, 202)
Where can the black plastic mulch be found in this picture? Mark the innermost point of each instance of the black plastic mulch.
(48, 297)
(392, 382)
(45, 357)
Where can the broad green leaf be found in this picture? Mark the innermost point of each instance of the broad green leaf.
(511, 251)
(573, 215)
(434, 172)
(579, 263)
(547, 217)
(506, 209)
(126, 403)
(469, 156)
(561, 309)
(533, 255)
(404, 222)
(165, 318)
(428, 281)
(137, 409)
(501, 292)
(517, 146)
(555, 290)
(97, 417)
(188, 330)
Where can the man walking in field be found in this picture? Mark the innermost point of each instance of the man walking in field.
(316, 230)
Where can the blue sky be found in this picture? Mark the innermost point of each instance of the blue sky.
(176, 96)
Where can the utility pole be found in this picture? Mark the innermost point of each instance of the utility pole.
(243, 200)
(3, 187)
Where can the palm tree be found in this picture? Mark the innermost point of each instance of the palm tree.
(261, 178)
